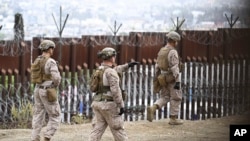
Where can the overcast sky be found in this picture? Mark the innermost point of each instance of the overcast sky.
(131, 13)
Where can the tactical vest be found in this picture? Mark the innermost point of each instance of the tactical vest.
(38, 75)
(162, 58)
(96, 82)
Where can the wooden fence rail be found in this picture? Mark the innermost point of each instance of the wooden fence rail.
(210, 90)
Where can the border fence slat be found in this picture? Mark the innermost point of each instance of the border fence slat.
(243, 85)
(207, 91)
(238, 90)
(222, 87)
(62, 106)
(135, 93)
(146, 90)
(184, 86)
(69, 103)
(248, 82)
(227, 89)
(190, 90)
(129, 93)
(212, 92)
(201, 92)
(217, 95)
(140, 91)
(195, 93)
(151, 84)
(232, 87)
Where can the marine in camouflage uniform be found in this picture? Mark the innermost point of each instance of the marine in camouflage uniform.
(108, 106)
(42, 105)
(171, 92)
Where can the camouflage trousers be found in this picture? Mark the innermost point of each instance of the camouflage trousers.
(169, 94)
(106, 114)
(40, 108)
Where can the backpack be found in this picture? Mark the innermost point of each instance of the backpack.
(96, 80)
(37, 70)
(162, 58)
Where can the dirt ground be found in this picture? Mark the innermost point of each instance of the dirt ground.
(216, 129)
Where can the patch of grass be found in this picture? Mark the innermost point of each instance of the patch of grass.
(22, 117)
(80, 119)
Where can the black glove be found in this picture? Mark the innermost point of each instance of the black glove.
(121, 111)
(131, 64)
(177, 86)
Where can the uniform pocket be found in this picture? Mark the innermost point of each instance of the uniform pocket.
(156, 85)
(177, 95)
(51, 94)
(117, 122)
(53, 109)
(42, 92)
(162, 80)
(170, 78)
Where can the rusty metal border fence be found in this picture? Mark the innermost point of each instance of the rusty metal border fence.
(136, 46)
(210, 90)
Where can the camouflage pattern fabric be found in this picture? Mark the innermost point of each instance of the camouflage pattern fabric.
(107, 112)
(42, 105)
(168, 93)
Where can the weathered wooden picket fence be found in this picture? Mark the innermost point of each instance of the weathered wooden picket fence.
(210, 90)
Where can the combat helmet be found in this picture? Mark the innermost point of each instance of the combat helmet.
(174, 36)
(106, 53)
(45, 44)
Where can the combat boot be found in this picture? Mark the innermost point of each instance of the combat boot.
(46, 139)
(174, 120)
(150, 112)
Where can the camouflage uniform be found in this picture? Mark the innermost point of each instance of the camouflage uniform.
(107, 111)
(42, 105)
(170, 92)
